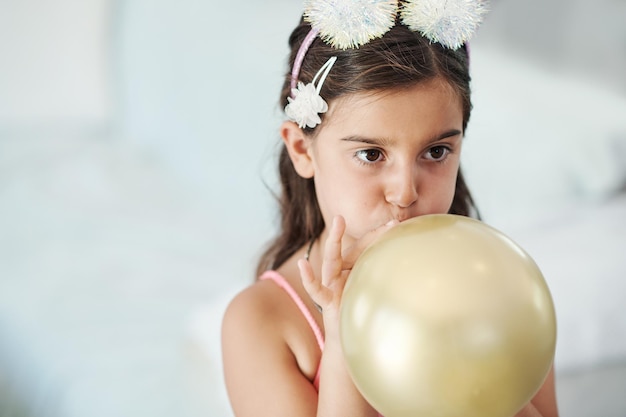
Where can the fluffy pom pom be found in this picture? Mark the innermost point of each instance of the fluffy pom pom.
(451, 23)
(347, 24)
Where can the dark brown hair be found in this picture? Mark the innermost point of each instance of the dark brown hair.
(400, 59)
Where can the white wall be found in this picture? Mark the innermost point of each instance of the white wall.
(54, 62)
(198, 83)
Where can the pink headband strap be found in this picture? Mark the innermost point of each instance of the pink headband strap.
(297, 64)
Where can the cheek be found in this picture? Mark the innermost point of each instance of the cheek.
(438, 194)
(349, 197)
(359, 202)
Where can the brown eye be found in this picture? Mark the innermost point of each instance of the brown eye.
(369, 155)
(437, 153)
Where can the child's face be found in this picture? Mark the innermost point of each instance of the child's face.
(388, 156)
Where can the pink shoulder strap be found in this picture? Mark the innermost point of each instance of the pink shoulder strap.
(282, 282)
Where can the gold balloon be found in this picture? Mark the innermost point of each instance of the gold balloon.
(444, 316)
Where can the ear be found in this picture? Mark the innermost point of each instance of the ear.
(298, 147)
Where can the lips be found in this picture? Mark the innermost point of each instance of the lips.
(404, 216)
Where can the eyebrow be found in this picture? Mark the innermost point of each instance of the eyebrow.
(386, 141)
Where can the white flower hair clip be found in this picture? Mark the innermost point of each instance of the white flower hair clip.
(305, 104)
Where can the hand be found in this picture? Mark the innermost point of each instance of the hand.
(529, 410)
(336, 265)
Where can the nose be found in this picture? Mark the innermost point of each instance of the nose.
(402, 187)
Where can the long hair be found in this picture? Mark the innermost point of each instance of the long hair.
(400, 59)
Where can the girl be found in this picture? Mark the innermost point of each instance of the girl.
(374, 138)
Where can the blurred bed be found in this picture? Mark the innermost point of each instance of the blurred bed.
(123, 236)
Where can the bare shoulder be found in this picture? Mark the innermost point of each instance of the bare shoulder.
(253, 309)
(258, 362)
(262, 307)
(251, 316)
(244, 299)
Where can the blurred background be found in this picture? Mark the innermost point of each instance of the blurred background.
(137, 152)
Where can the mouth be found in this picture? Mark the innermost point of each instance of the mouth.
(402, 218)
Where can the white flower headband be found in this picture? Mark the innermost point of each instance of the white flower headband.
(347, 24)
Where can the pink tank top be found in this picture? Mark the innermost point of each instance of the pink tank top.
(282, 282)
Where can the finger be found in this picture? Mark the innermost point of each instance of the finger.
(332, 261)
(313, 286)
(352, 254)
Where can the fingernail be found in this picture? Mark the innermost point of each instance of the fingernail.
(392, 222)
